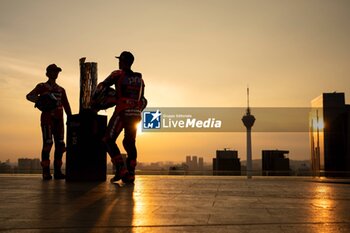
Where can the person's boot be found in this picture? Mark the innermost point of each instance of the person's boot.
(120, 170)
(130, 175)
(45, 164)
(58, 175)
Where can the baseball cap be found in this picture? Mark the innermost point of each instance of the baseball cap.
(127, 57)
(53, 67)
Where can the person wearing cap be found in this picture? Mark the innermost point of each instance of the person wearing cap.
(51, 99)
(130, 102)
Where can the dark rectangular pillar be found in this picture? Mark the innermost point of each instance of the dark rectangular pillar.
(86, 155)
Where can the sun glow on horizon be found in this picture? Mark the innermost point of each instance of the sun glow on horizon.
(139, 128)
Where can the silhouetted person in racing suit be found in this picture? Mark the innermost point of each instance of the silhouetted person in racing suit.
(130, 102)
(50, 98)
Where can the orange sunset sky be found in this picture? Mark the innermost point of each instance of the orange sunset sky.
(191, 53)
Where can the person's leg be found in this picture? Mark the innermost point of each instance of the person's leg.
(129, 144)
(60, 148)
(115, 126)
(46, 131)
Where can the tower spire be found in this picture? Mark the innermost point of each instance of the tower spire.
(248, 109)
(248, 121)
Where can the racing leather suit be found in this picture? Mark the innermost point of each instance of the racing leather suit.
(130, 102)
(52, 122)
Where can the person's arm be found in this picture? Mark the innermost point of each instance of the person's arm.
(143, 100)
(65, 104)
(110, 80)
(33, 96)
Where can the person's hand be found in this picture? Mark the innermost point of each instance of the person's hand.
(99, 87)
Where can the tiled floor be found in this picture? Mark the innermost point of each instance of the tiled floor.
(175, 204)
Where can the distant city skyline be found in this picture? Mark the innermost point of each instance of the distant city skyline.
(32, 166)
(191, 54)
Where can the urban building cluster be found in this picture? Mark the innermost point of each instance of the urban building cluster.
(23, 165)
(329, 123)
(274, 162)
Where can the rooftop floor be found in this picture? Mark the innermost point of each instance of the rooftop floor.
(175, 204)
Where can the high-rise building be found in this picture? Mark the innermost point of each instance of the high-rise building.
(226, 163)
(194, 163)
(29, 165)
(188, 160)
(200, 163)
(330, 135)
(275, 163)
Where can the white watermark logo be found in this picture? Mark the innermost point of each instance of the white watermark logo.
(177, 121)
(191, 123)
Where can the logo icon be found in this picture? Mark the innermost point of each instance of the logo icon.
(151, 120)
